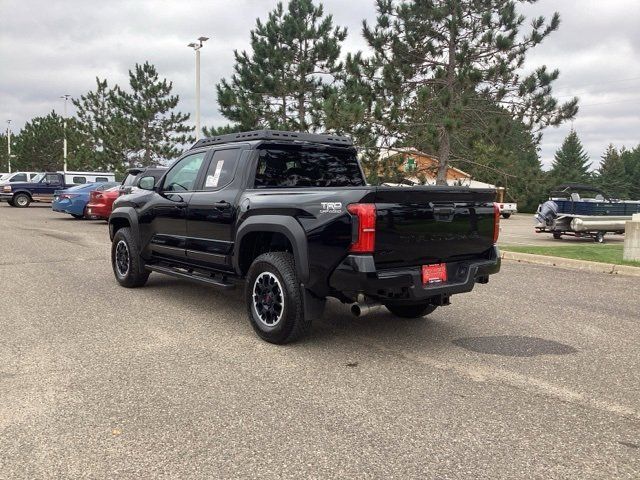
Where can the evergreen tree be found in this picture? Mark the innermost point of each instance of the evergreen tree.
(611, 175)
(438, 64)
(223, 130)
(4, 159)
(40, 145)
(571, 163)
(285, 79)
(146, 120)
(631, 160)
(103, 124)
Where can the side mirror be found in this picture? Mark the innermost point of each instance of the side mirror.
(147, 183)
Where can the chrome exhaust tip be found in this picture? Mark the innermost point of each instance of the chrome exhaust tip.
(361, 309)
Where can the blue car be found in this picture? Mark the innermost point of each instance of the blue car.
(74, 200)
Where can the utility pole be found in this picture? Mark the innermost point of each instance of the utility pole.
(197, 46)
(9, 145)
(64, 126)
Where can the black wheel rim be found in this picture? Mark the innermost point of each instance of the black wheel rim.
(122, 258)
(268, 299)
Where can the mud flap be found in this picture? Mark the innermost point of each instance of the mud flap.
(312, 305)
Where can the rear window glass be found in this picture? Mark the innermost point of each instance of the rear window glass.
(106, 186)
(286, 167)
(102, 179)
(79, 179)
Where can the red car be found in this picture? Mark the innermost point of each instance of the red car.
(101, 203)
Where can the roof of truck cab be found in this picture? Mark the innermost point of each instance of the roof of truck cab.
(277, 135)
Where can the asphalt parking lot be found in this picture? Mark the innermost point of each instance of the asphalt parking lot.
(535, 375)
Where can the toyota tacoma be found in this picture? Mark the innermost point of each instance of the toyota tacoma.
(291, 216)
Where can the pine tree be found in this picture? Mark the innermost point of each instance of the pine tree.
(571, 163)
(146, 120)
(4, 159)
(631, 160)
(98, 118)
(437, 64)
(611, 175)
(39, 147)
(285, 79)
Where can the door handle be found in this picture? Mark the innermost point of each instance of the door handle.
(222, 205)
(179, 205)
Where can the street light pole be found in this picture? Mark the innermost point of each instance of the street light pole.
(9, 145)
(197, 46)
(64, 126)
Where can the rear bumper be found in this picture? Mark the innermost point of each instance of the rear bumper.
(357, 274)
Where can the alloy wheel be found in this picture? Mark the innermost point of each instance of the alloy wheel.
(268, 299)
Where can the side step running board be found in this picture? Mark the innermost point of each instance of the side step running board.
(179, 273)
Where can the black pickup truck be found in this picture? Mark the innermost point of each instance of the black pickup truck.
(292, 216)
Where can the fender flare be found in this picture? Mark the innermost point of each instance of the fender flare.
(289, 227)
(129, 214)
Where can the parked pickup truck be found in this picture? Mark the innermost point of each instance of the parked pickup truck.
(42, 187)
(291, 216)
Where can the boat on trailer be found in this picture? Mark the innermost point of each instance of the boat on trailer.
(583, 211)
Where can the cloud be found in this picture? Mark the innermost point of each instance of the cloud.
(50, 48)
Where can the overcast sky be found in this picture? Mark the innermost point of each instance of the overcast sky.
(49, 48)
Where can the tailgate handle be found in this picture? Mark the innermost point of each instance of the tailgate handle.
(443, 213)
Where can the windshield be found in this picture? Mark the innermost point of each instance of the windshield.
(37, 178)
(129, 180)
(295, 166)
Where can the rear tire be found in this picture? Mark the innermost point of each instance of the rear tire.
(599, 238)
(557, 236)
(274, 299)
(128, 266)
(411, 311)
(76, 216)
(506, 215)
(21, 200)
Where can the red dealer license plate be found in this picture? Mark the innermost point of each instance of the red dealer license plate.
(436, 273)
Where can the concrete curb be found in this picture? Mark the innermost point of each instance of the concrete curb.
(596, 267)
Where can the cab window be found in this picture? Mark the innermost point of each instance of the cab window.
(221, 169)
(21, 177)
(182, 177)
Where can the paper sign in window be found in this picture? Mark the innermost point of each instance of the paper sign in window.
(212, 180)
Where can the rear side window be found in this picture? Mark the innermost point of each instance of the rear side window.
(79, 179)
(102, 179)
(221, 169)
(53, 179)
(287, 167)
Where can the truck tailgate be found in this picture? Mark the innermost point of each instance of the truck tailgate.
(423, 225)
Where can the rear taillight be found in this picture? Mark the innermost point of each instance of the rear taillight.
(496, 222)
(365, 228)
(67, 196)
